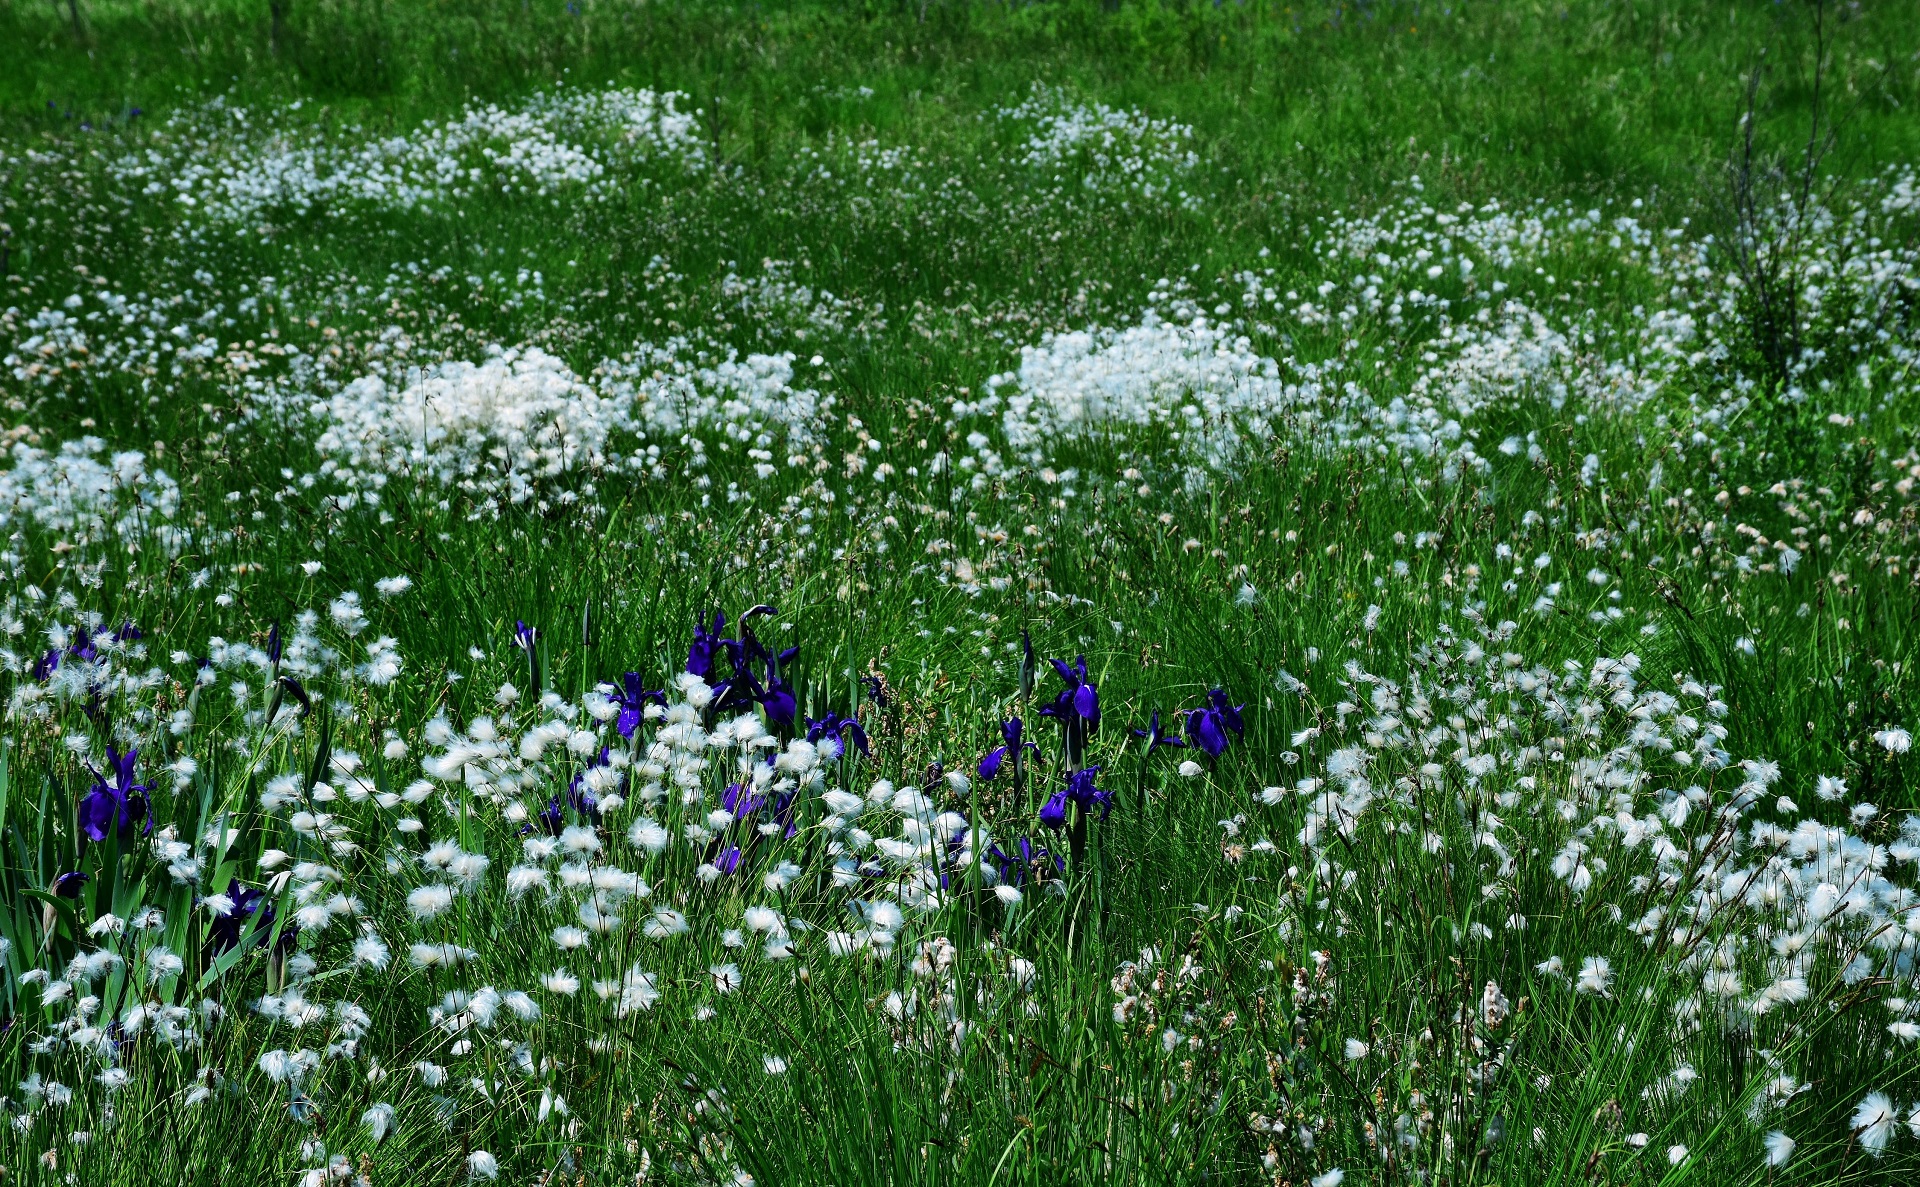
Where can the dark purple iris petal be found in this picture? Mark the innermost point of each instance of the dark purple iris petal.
(1053, 813)
(779, 702)
(739, 800)
(1203, 727)
(1076, 707)
(1028, 858)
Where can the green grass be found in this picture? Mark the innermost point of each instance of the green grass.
(1171, 580)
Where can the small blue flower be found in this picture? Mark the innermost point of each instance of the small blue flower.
(579, 798)
(82, 647)
(784, 810)
(1076, 707)
(738, 799)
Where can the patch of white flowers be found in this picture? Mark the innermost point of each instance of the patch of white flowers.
(1691, 867)
(230, 165)
(1116, 153)
(86, 495)
(499, 427)
(1491, 333)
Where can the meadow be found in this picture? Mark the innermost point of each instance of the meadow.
(623, 592)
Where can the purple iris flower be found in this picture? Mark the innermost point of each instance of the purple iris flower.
(1204, 728)
(82, 647)
(784, 812)
(740, 689)
(68, 884)
(579, 798)
(248, 906)
(1084, 795)
(736, 692)
(632, 697)
(1229, 713)
(738, 799)
(128, 632)
(833, 725)
(553, 818)
(744, 656)
(876, 690)
(274, 645)
(1053, 813)
(1208, 727)
(46, 664)
(1015, 869)
(706, 646)
(524, 635)
(1080, 696)
(749, 650)
(116, 805)
(1011, 732)
(1076, 707)
(729, 860)
(1157, 737)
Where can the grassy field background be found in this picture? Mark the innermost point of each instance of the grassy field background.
(860, 185)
